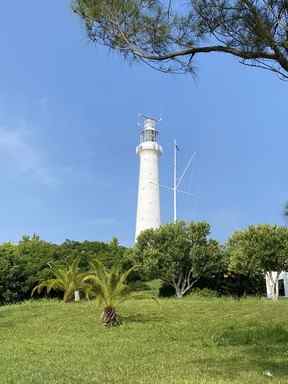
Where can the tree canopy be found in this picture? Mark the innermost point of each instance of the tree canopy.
(260, 249)
(179, 254)
(68, 279)
(169, 34)
(29, 262)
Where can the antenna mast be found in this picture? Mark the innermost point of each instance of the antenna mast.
(175, 182)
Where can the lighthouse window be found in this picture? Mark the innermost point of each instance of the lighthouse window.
(150, 135)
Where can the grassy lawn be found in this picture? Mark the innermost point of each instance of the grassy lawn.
(193, 340)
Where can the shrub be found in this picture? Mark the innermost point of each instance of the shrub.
(139, 286)
(205, 292)
(24, 264)
(166, 290)
(234, 284)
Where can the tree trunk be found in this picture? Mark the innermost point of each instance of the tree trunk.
(110, 317)
(274, 282)
(179, 293)
(275, 289)
(183, 284)
(66, 297)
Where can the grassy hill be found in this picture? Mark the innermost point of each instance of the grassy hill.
(193, 340)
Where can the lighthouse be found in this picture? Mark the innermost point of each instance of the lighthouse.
(149, 152)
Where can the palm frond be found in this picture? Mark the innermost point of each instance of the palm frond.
(67, 279)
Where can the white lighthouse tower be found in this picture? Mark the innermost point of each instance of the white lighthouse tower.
(149, 151)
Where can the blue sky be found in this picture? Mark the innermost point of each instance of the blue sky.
(68, 131)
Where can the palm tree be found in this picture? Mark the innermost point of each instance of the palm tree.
(67, 279)
(111, 289)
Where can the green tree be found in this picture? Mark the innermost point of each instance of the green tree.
(179, 254)
(33, 257)
(13, 278)
(109, 253)
(67, 279)
(111, 289)
(260, 249)
(168, 35)
(22, 265)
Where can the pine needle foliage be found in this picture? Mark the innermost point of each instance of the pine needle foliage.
(168, 35)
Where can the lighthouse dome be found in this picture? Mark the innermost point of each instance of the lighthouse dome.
(149, 133)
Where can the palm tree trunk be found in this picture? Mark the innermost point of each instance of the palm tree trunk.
(110, 317)
(66, 297)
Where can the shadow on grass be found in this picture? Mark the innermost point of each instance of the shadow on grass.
(251, 335)
(248, 365)
(141, 318)
(263, 348)
(6, 324)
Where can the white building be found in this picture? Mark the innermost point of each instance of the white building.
(149, 152)
(282, 284)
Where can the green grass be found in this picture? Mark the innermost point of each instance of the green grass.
(194, 340)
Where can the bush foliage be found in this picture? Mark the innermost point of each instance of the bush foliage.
(29, 262)
(175, 253)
